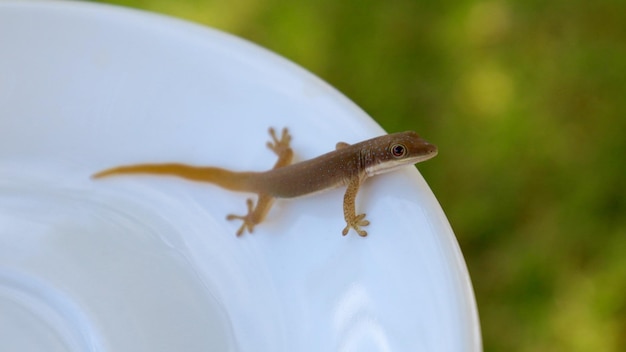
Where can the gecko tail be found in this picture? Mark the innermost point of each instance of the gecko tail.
(234, 181)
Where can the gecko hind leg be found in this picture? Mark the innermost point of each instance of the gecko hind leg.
(256, 213)
(247, 221)
(281, 147)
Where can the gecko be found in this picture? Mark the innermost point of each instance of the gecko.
(348, 165)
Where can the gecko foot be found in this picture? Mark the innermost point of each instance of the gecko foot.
(356, 224)
(281, 145)
(248, 219)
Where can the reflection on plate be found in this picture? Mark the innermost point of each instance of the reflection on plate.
(150, 264)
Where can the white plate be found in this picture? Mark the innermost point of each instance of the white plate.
(151, 264)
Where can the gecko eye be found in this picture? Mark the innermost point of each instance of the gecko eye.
(398, 150)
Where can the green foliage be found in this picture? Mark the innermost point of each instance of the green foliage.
(527, 103)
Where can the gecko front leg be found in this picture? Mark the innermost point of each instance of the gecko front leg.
(349, 209)
(256, 213)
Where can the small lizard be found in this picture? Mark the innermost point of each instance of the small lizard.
(348, 165)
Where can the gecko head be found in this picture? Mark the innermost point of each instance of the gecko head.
(399, 149)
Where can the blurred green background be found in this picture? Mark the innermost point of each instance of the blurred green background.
(527, 103)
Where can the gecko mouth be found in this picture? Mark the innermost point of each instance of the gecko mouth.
(431, 154)
(391, 165)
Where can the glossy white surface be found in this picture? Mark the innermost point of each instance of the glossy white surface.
(151, 264)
